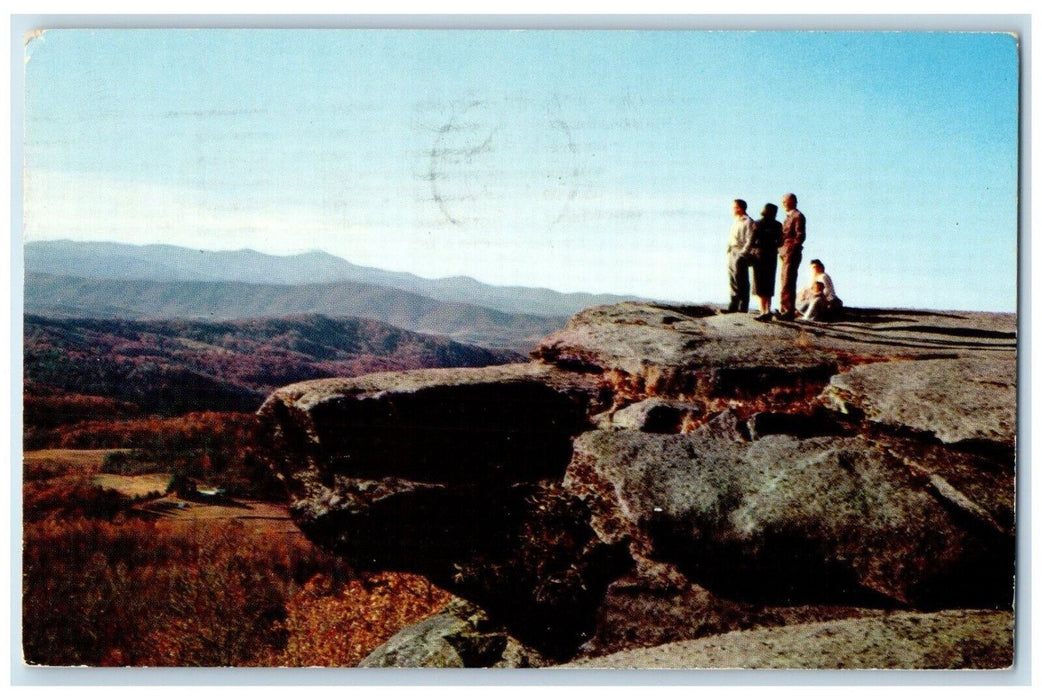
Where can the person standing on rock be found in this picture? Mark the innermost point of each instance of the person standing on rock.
(738, 245)
(763, 254)
(790, 253)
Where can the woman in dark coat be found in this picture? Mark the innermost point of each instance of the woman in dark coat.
(763, 254)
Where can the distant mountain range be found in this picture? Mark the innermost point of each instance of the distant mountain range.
(78, 297)
(121, 261)
(170, 367)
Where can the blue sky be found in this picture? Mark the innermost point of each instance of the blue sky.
(600, 161)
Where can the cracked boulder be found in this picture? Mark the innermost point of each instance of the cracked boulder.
(784, 520)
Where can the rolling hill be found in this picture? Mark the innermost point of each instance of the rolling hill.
(171, 367)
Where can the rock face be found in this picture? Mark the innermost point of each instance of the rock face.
(662, 473)
(454, 474)
(830, 519)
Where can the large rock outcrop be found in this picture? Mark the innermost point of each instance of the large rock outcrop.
(662, 473)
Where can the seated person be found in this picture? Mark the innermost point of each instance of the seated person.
(818, 274)
(817, 308)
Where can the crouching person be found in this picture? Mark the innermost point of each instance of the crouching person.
(832, 304)
(817, 306)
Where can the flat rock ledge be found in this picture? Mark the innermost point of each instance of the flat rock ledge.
(666, 475)
(960, 400)
(953, 639)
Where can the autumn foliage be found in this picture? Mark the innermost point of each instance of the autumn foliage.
(333, 624)
(109, 579)
(220, 448)
(177, 366)
(107, 593)
(104, 586)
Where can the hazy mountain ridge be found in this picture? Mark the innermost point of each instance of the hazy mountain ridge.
(63, 296)
(167, 263)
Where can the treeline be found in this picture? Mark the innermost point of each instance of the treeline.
(215, 447)
(45, 408)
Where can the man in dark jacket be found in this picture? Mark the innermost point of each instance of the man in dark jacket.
(790, 253)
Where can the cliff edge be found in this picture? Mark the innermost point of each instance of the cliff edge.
(660, 474)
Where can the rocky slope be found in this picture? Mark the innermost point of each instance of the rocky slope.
(661, 474)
